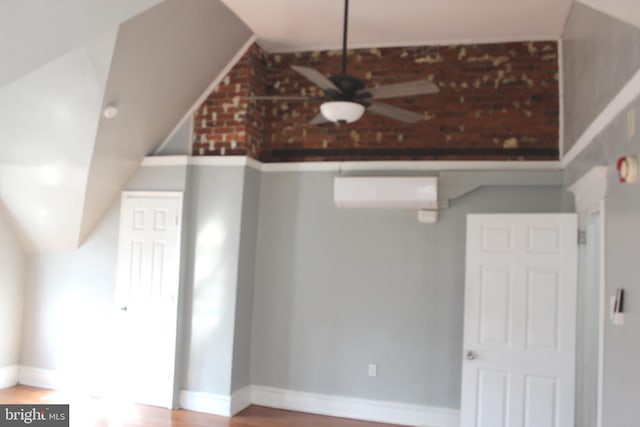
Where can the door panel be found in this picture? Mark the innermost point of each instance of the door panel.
(520, 317)
(493, 398)
(147, 296)
(495, 307)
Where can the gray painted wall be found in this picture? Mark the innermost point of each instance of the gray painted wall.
(282, 289)
(338, 289)
(600, 54)
(622, 234)
(240, 376)
(215, 217)
(180, 141)
(71, 292)
(12, 266)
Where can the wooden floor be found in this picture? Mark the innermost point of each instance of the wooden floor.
(93, 412)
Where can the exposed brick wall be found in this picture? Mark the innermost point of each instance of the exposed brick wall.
(496, 101)
(227, 123)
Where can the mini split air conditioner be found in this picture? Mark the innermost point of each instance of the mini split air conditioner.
(388, 192)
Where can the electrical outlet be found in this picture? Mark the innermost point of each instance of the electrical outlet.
(373, 370)
(631, 123)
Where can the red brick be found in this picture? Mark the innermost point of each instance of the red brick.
(479, 102)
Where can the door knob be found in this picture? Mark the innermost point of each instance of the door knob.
(471, 355)
(123, 308)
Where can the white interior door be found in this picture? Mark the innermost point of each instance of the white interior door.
(520, 321)
(147, 296)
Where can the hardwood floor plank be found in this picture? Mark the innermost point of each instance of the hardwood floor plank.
(95, 412)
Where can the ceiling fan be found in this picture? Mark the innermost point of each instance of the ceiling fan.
(346, 97)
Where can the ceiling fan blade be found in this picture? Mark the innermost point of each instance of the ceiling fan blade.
(394, 112)
(319, 119)
(316, 77)
(418, 87)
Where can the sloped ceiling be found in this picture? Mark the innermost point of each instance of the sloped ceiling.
(164, 61)
(295, 25)
(62, 163)
(625, 10)
(35, 32)
(48, 123)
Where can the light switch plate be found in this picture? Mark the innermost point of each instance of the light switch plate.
(373, 370)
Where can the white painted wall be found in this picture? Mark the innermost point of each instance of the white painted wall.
(12, 266)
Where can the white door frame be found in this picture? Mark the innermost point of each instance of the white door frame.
(599, 208)
(179, 197)
(589, 193)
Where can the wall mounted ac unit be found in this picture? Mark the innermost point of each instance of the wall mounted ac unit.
(386, 192)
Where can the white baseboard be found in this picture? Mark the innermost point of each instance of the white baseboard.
(209, 403)
(349, 407)
(227, 406)
(36, 377)
(8, 376)
(216, 404)
(240, 399)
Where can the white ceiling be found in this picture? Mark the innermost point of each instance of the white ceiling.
(300, 25)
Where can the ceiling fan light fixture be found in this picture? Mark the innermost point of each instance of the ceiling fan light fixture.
(342, 111)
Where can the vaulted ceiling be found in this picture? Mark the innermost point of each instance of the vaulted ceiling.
(62, 163)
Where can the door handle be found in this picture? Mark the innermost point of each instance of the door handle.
(471, 355)
(124, 308)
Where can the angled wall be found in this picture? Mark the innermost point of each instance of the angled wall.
(601, 55)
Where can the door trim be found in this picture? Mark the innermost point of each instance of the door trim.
(590, 192)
